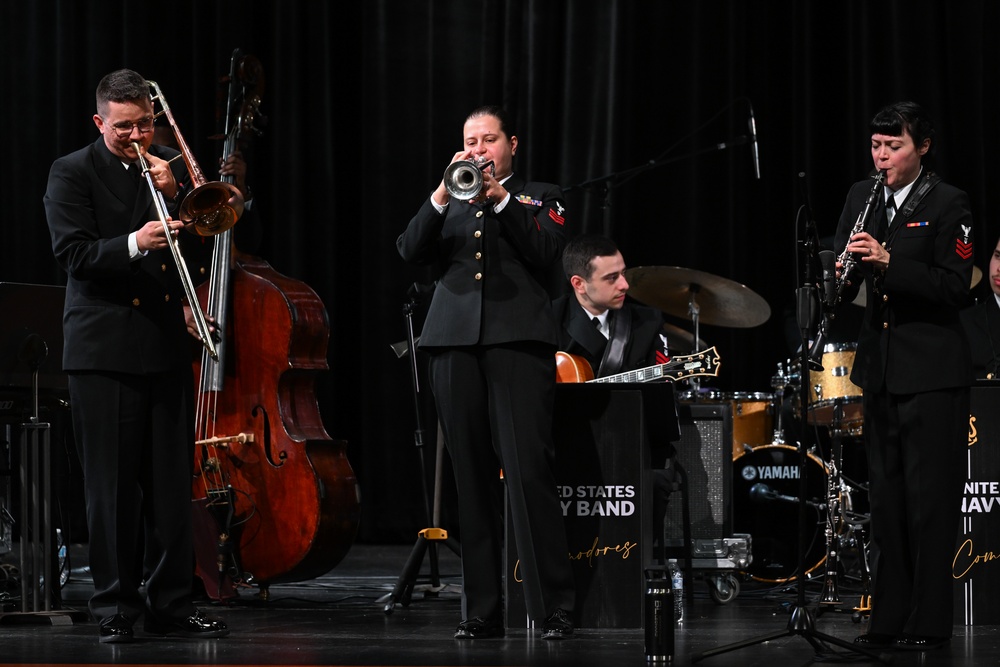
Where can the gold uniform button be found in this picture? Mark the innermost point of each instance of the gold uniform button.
(885, 297)
(478, 234)
(479, 214)
(885, 325)
(166, 297)
(479, 255)
(479, 276)
(201, 270)
(163, 267)
(135, 302)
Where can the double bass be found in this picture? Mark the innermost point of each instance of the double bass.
(274, 496)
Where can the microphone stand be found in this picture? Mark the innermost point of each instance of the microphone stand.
(428, 538)
(615, 179)
(802, 621)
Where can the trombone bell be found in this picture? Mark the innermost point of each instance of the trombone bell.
(211, 208)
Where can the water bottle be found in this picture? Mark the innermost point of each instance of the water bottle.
(677, 588)
(61, 559)
(659, 629)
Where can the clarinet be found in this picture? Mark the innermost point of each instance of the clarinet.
(846, 259)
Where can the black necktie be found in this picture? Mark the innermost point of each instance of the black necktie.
(890, 208)
(597, 325)
(133, 172)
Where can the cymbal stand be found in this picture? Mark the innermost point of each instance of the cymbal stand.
(694, 310)
(428, 538)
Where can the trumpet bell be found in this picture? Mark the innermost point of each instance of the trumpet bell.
(463, 179)
(211, 208)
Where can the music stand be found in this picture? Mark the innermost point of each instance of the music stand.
(27, 363)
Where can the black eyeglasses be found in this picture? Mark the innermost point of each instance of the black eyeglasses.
(124, 128)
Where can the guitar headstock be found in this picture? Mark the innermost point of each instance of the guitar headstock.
(703, 363)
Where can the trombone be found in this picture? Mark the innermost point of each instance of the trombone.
(209, 209)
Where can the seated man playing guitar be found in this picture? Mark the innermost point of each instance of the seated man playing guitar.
(596, 325)
(595, 321)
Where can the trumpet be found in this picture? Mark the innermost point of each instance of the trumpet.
(846, 259)
(463, 179)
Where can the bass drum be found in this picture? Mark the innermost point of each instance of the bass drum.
(765, 494)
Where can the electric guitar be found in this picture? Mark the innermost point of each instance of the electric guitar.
(573, 368)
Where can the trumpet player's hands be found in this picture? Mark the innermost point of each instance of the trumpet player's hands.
(491, 192)
(870, 250)
(163, 177)
(152, 235)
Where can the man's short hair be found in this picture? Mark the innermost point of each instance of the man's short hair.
(122, 85)
(579, 253)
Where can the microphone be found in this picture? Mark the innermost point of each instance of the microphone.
(753, 144)
(828, 262)
(763, 493)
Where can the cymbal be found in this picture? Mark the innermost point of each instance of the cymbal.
(721, 302)
(862, 298)
(680, 341)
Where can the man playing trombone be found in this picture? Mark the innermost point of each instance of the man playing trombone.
(128, 357)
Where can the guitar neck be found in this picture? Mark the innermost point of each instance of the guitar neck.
(704, 363)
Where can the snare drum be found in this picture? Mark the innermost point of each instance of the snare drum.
(765, 493)
(753, 415)
(832, 383)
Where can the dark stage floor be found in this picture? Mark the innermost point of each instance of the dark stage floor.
(339, 619)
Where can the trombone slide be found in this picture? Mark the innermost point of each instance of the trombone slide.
(204, 335)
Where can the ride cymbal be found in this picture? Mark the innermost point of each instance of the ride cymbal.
(721, 302)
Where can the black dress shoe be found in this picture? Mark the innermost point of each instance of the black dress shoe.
(197, 626)
(874, 640)
(116, 629)
(920, 642)
(558, 626)
(479, 628)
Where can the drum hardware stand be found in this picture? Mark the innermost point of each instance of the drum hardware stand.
(40, 599)
(834, 510)
(801, 621)
(428, 538)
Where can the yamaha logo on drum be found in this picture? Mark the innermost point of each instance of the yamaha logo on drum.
(751, 473)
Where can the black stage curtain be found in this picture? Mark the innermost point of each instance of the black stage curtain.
(365, 103)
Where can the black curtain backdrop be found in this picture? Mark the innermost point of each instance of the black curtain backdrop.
(365, 103)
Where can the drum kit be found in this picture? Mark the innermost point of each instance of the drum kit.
(765, 475)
